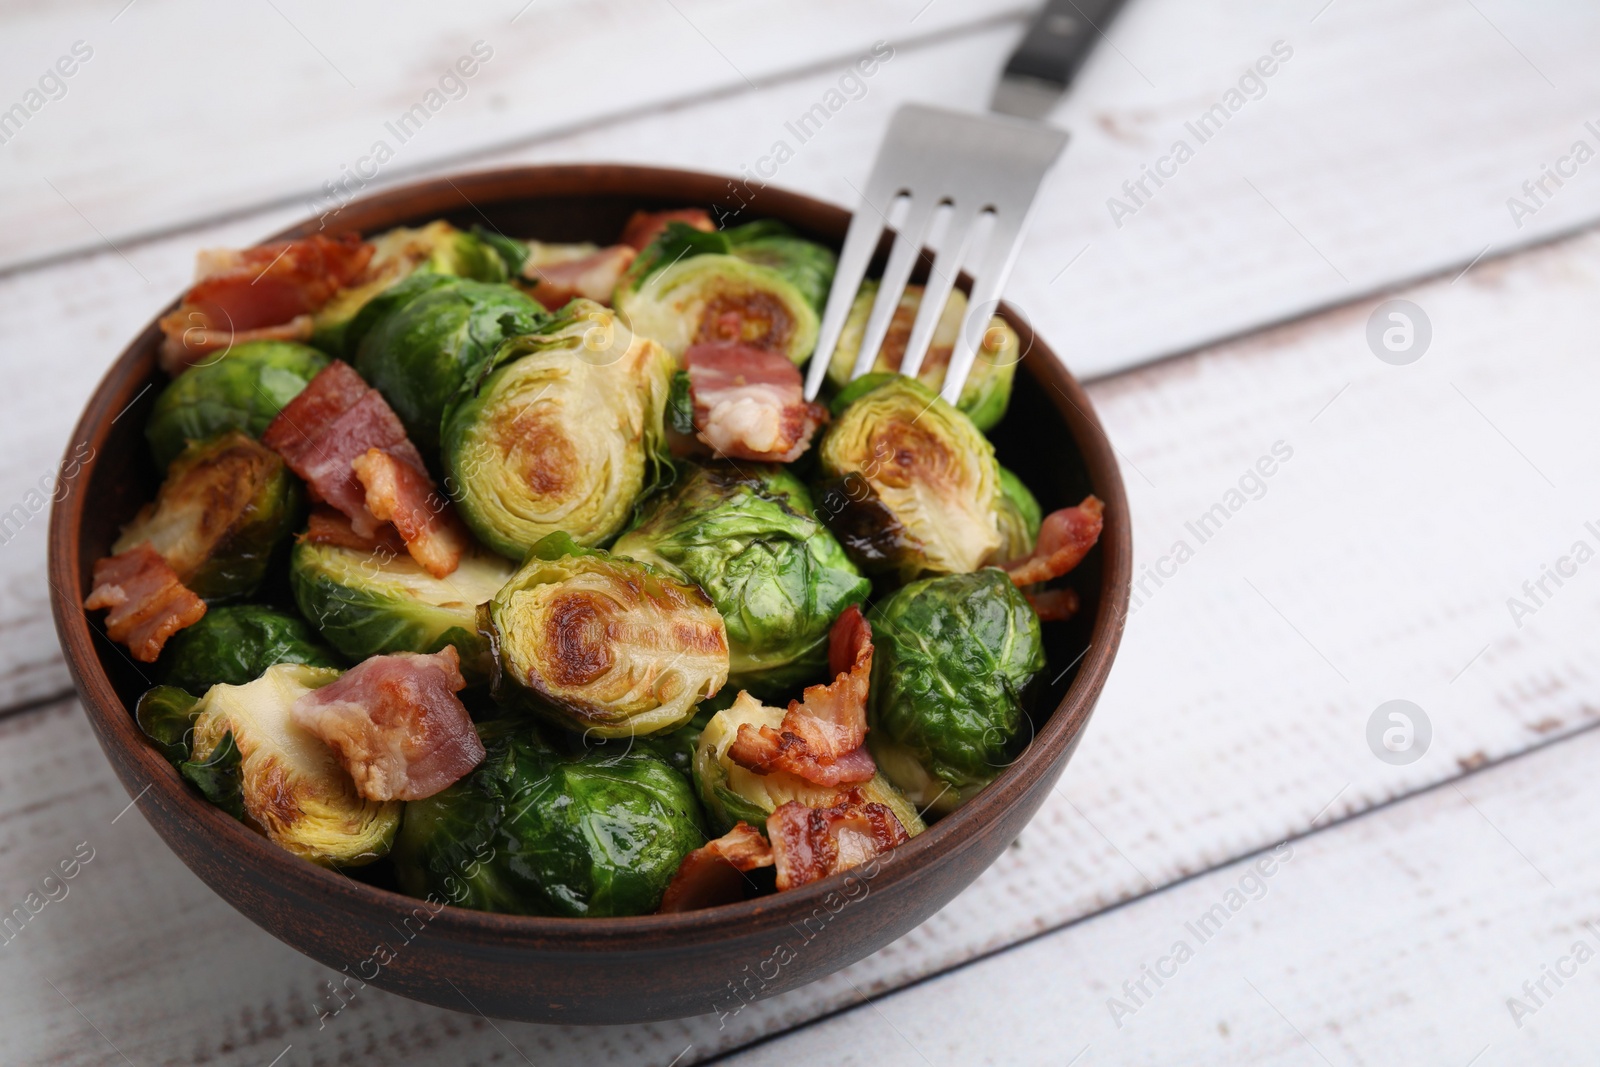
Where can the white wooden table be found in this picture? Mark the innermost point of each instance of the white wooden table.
(1227, 873)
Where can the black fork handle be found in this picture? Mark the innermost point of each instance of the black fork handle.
(1060, 39)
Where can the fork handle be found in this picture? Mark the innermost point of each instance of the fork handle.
(1060, 39)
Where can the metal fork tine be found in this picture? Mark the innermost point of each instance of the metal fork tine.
(989, 281)
(935, 156)
(941, 279)
(859, 243)
(907, 247)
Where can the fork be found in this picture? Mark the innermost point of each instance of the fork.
(986, 171)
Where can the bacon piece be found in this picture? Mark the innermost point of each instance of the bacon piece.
(330, 527)
(594, 276)
(1065, 537)
(259, 292)
(399, 493)
(820, 737)
(646, 226)
(1054, 605)
(334, 420)
(147, 604)
(812, 843)
(714, 873)
(396, 724)
(749, 403)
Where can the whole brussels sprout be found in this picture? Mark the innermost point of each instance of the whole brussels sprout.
(244, 390)
(224, 507)
(370, 603)
(912, 484)
(235, 643)
(291, 786)
(1018, 517)
(562, 432)
(954, 656)
(530, 832)
(755, 284)
(421, 351)
(605, 645)
(747, 537)
(732, 793)
(988, 389)
(436, 249)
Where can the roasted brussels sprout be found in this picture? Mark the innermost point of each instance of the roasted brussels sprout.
(912, 485)
(988, 389)
(422, 351)
(955, 655)
(291, 785)
(234, 644)
(747, 536)
(225, 505)
(732, 793)
(530, 832)
(437, 248)
(563, 431)
(757, 284)
(166, 714)
(605, 645)
(243, 389)
(368, 603)
(1017, 516)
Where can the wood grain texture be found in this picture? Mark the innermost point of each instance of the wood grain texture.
(1398, 938)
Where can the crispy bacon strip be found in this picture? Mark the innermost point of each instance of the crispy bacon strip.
(646, 226)
(333, 421)
(147, 604)
(402, 494)
(714, 873)
(269, 291)
(820, 738)
(749, 403)
(594, 276)
(812, 843)
(1065, 537)
(329, 527)
(396, 724)
(1054, 605)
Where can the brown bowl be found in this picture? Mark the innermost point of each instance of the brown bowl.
(589, 970)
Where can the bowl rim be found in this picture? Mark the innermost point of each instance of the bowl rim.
(114, 722)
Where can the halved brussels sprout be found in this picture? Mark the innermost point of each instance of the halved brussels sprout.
(732, 793)
(756, 284)
(369, 603)
(562, 432)
(912, 486)
(748, 537)
(1018, 517)
(244, 389)
(603, 644)
(988, 389)
(530, 832)
(953, 657)
(422, 351)
(291, 784)
(225, 505)
(235, 643)
(437, 248)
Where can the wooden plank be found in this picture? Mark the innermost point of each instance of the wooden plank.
(112, 157)
(1434, 931)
